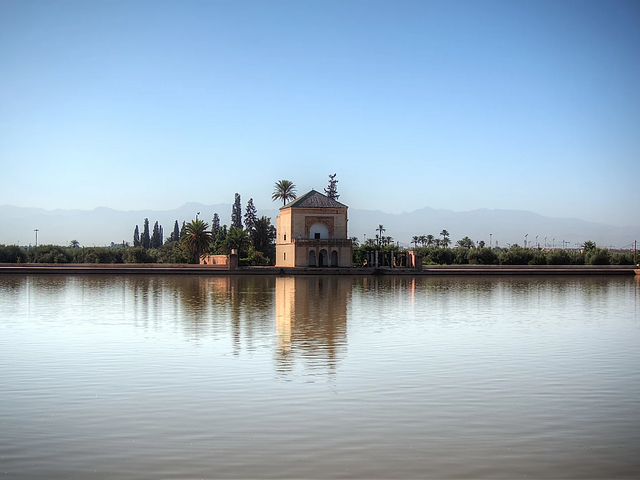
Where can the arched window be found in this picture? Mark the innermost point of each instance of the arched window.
(323, 258)
(319, 230)
(334, 259)
(312, 258)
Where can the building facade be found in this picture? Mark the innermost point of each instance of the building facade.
(312, 232)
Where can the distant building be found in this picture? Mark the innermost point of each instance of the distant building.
(312, 232)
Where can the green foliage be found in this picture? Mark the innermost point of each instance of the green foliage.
(263, 237)
(558, 257)
(145, 241)
(483, 256)
(237, 239)
(103, 255)
(621, 259)
(215, 225)
(254, 259)
(439, 256)
(136, 237)
(196, 238)
(539, 258)
(588, 246)
(284, 190)
(173, 252)
(156, 237)
(12, 254)
(332, 189)
(516, 256)
(175, 235)
(466, 242)
(236, 212)
(461, 256)
(250, 216)
(598, 256)
(50, 254)
(137, 255)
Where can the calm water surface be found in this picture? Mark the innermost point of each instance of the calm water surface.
(147, 377)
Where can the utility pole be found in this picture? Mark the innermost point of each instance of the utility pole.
(545, 242)
(537, 241)
(491, 240)
(525, 240)
(36, 230)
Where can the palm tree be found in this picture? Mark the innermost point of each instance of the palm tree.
(239, 239)
(415, 239)
(196, 238)
(380, 229)
(74, 243)
(445, 238)
(284, 190)
(466, 242)
(429, 240)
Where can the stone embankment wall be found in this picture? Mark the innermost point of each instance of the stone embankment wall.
(155, 268)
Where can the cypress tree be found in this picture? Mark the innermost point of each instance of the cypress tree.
(156, 237)
(215, 225)
(236, 213)
(182, 230)
(175, 235)
(146, 240)
(250, 216)
(136, 237)
(332, 188)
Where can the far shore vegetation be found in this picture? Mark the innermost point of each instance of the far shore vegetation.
(254, 239)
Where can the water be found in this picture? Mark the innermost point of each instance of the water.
(141, 377)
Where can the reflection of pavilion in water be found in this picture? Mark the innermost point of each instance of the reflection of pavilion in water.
(311, 320)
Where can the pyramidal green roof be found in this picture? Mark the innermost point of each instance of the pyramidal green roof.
(313, 199)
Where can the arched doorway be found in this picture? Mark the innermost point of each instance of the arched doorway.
(312, 258)
(334, 259)
(323, 258)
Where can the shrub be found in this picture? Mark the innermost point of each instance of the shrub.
(482, 256)
(11, 254)
(558, 257)
(516, 256)
(137, 255)
(598, 256)
(621, 259)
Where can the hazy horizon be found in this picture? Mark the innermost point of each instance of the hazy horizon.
(460, 106)
(276, 206)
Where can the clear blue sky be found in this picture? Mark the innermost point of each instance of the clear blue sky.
(530, 105)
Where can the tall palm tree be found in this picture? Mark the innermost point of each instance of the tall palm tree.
(429, 239)
(445, 238)
(284, 190)
(415, 239)
(196, 238)
(380, 229)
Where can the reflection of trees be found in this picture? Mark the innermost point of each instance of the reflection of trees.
(208, 305)
(311, 320)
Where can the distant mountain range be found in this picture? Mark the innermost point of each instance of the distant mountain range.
(102, 226)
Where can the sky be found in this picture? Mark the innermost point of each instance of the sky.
(459, 105)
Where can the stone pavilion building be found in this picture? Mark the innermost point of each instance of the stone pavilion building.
(312, 232)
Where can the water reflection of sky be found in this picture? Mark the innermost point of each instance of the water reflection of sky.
(304, 377)
(304, 322)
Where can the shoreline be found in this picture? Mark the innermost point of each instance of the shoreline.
(188, 269)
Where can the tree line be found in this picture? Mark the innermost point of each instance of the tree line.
(466, 252)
